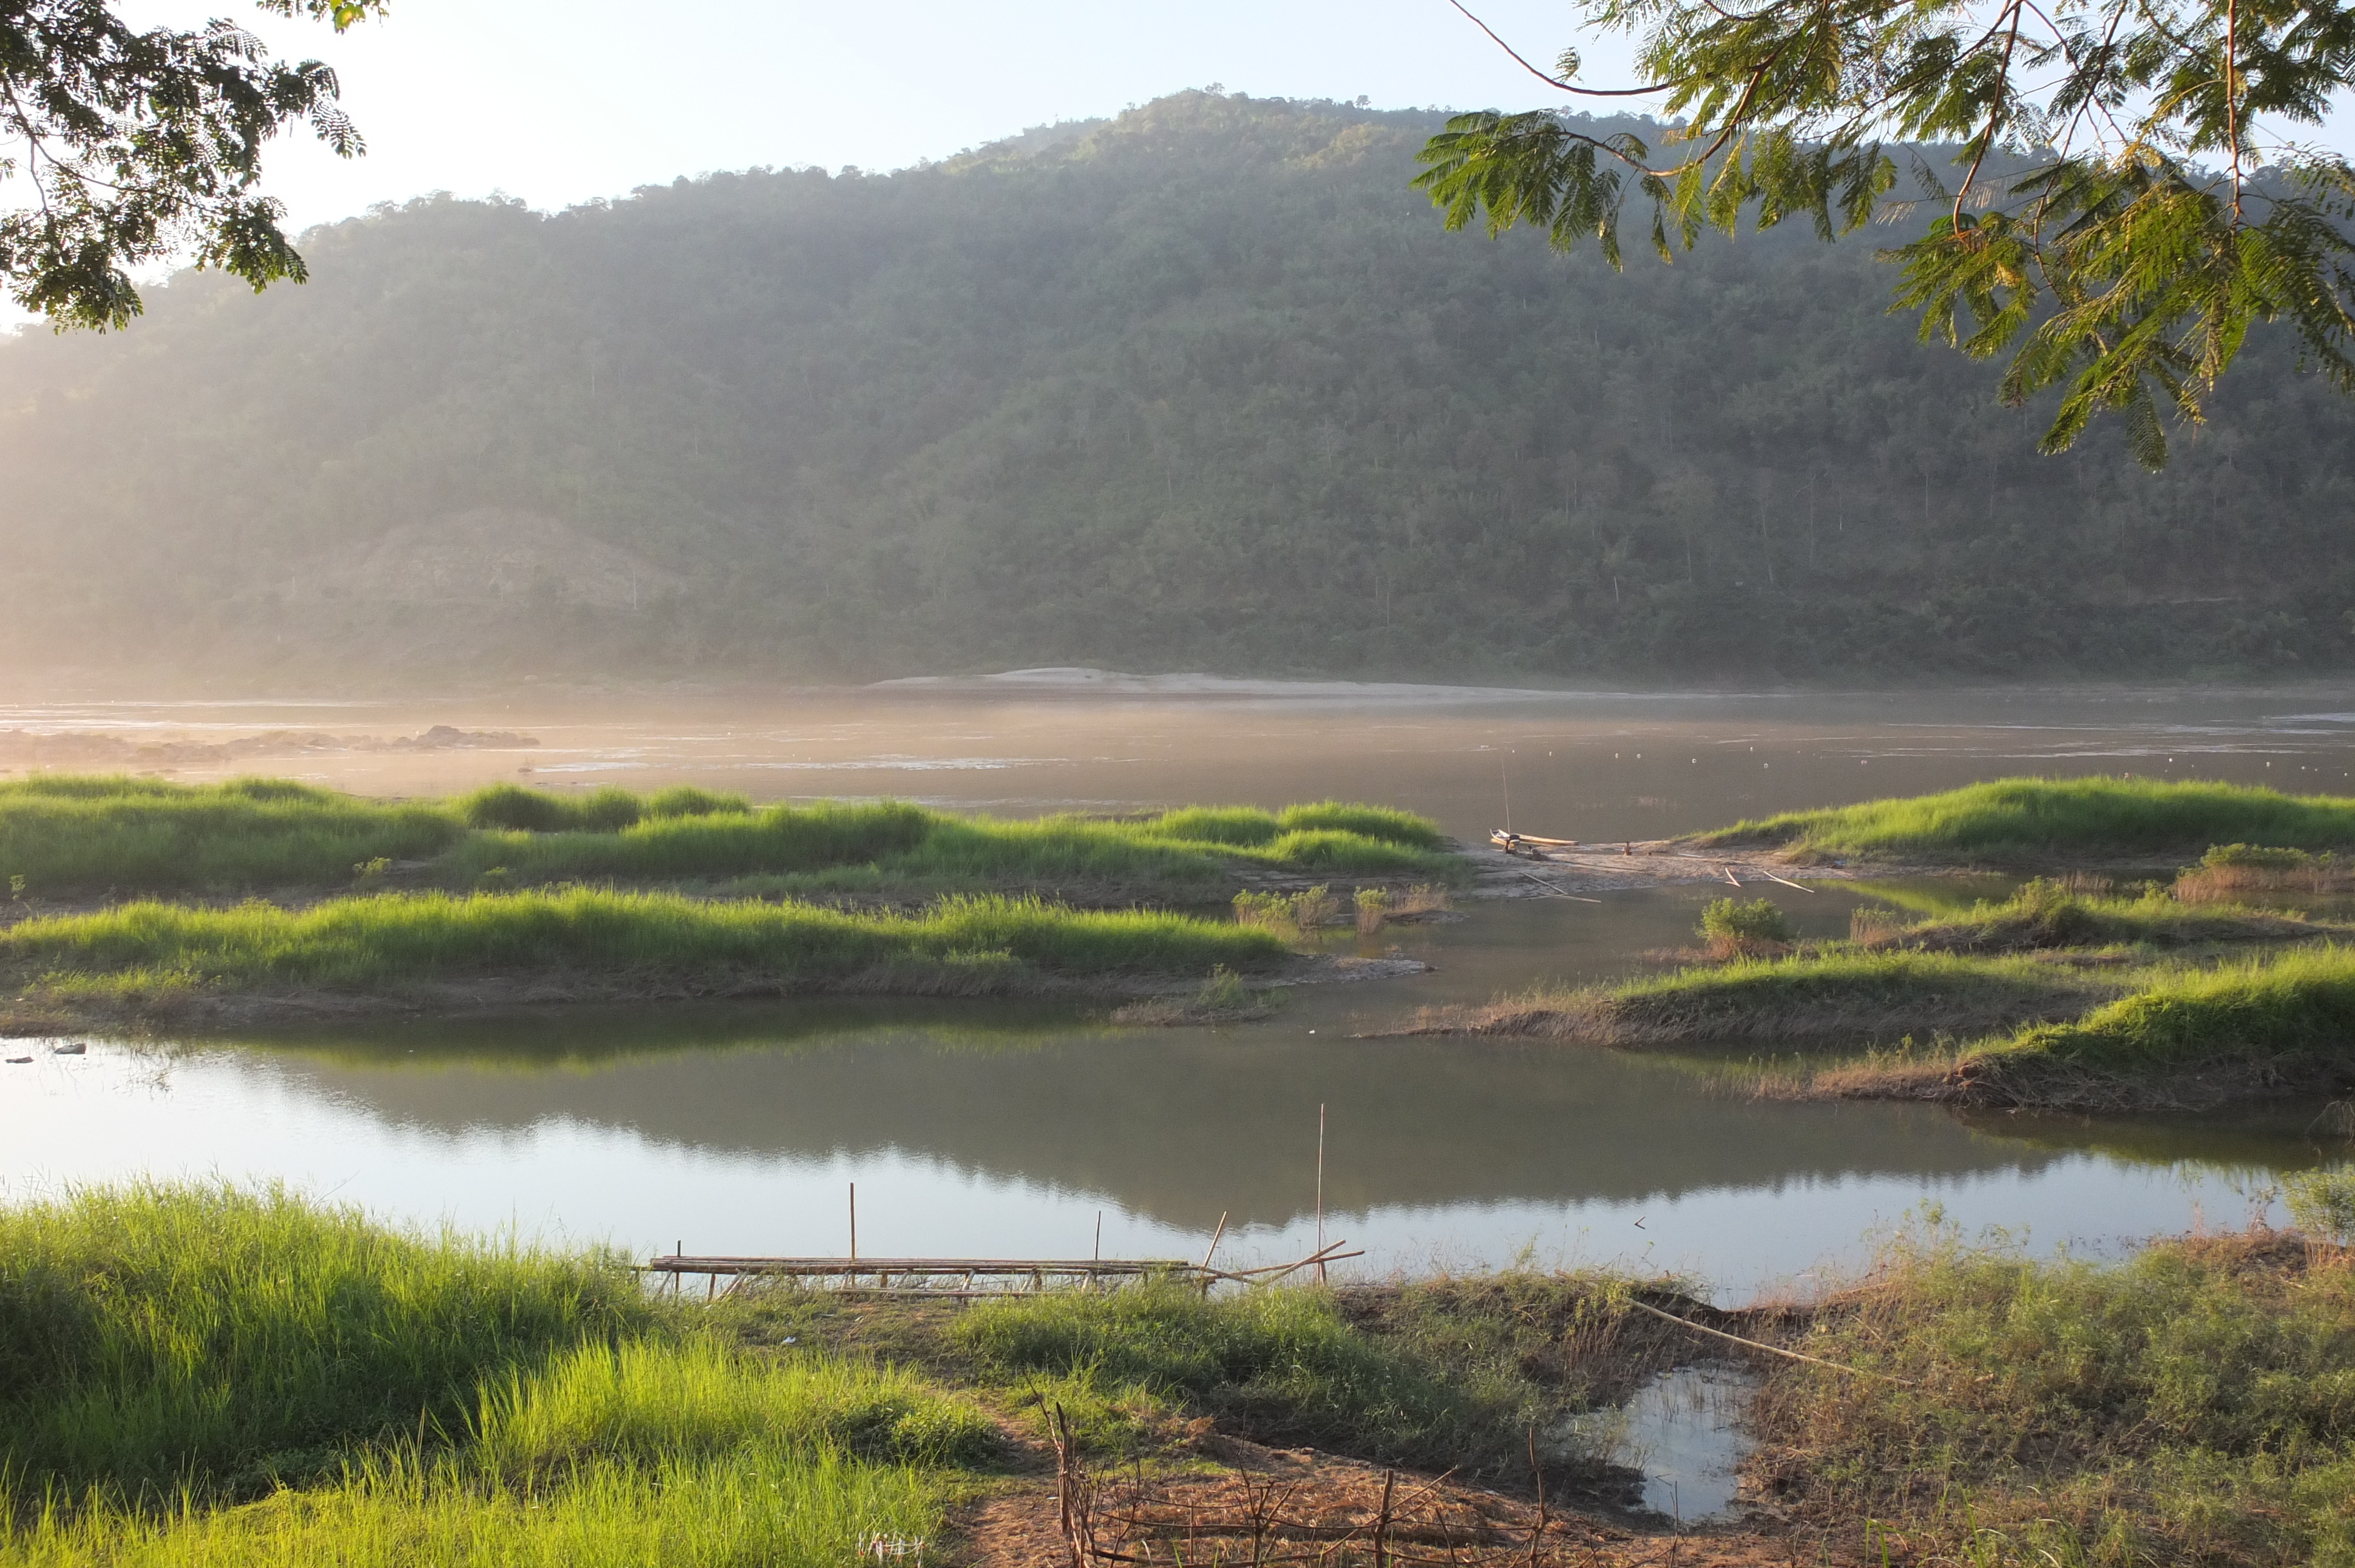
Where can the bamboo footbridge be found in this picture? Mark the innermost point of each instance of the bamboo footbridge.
(964, 1278)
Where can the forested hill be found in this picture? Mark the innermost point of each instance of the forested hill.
(1204, 387)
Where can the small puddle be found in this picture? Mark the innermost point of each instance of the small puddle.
(1683, 1430)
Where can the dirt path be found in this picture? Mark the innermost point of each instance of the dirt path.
(1268, 1506)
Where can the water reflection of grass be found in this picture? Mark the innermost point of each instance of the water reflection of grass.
(598, 1038)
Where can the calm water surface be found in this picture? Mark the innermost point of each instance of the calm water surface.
(990, 1128)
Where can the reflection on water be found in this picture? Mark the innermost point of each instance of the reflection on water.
(1002, 1128)
(1684, 1431)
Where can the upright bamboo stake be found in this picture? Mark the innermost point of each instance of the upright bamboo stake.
(854, 1222)
(1320, 1189)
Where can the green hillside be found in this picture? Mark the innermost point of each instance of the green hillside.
(1204, 387)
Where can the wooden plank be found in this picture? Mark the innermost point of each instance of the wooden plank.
(698, 1263)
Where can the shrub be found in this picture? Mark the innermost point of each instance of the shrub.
(2323, 1203)
(1731, 920)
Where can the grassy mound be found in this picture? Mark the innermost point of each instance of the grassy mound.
(2266, 1026)
(2013, 821)
(2046, 915)
(1839, 995)
(67, 836)
(623, 940)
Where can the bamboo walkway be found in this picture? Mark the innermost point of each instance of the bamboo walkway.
(951, 1279)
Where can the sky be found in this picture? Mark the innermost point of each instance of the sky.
(559, 104)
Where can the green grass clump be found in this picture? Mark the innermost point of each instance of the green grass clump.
(756, 1509)
(646, 1401)
(2189, 1405)
(2015, 820)
(388, 939)
(1729, 920)
(1843, 991)
(389, 1400)
(518, 810)
(1284, 1364)
(2046, 914)
(153, 1337)
(698, 845)
(2322, 1202)
(67, 835)
(2281, 1022)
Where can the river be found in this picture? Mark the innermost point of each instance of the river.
(985, 1128)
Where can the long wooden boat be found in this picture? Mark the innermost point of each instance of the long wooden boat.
(1528, 845)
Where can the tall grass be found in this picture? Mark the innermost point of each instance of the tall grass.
(881, 844)
(2189, 1405)
(157, 1338)
(390, 938)
(79, 835)
(1848, 992)
(648, 1401)
(2048, 913)
(754, 1508)
(70, 834)
(2011, 821)
(2290, 1016)
(1285, 1364)
(393, 1400)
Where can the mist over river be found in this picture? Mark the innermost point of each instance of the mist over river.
(980, 1128)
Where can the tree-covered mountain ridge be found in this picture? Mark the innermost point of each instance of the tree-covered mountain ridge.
(1204, 385)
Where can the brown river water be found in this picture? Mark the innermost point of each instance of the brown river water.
(985, 1128)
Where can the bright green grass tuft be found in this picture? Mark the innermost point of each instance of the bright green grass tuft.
(2012, 820)
(648, 1401)
(392, 1399)
(74, 835)
(79, 835)
(2048, 915)
(707, 845)
(392, 938)
(2293, 1012)
(755, 1508)
(152, 1336)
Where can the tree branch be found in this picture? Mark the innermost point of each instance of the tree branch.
(1556, 81)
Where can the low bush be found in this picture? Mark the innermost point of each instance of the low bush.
(1744, 926)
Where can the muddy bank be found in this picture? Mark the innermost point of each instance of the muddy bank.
(1590, 869)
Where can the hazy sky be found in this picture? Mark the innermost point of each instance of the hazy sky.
(558, 104)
